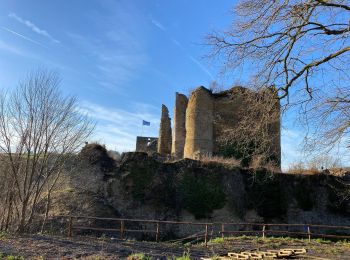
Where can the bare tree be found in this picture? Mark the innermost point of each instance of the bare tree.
(255, 137)
(40, 129)
(302, 48)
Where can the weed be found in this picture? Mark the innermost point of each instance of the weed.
(185, 256)
(217, 240)
(13, 257)
(2, 235)
(139, 256)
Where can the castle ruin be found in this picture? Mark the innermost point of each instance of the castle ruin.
(201, 123)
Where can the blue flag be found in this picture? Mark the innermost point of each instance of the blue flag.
(145, 123)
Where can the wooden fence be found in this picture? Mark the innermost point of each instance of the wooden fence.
(212, 230)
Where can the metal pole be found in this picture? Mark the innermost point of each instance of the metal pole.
(142, 129)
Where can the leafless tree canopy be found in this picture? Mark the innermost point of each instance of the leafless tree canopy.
(39, 130)
(302, 48)
(255, 139)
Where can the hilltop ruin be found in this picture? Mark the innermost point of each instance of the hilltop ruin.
(203, 120)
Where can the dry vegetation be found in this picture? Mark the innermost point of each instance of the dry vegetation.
(221, 160)
(39, 131)
(42, 247)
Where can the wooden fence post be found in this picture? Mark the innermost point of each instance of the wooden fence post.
(70, 226)
(157, 232)
(309, 233)
(122, 229)
(263, 232)
(206, 235)
(222, 229)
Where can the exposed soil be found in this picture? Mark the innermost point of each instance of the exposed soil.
(50, 247)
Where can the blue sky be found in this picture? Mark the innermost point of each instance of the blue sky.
(122, 59)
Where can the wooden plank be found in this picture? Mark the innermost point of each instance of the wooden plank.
(237, 256)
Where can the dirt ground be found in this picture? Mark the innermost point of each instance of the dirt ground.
(50, 247)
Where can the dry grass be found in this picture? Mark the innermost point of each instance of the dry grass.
(311, 171)
(303, 171)
(220, 160)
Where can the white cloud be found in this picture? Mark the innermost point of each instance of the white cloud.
(9, 48)
(22, 36)
(178, 44)
(201, 66)
(33, 27)
(118, 128)
(158, 24)
(118, 52)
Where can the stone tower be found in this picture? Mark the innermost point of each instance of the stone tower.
(179, 134)
(199, 124)
(203, 122)
(164, 141)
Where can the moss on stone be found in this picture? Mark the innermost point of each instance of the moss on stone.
(202, 194)
(302, 192)
(140, 178)
(266, 195)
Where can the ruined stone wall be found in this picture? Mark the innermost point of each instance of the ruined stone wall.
(146, 144)
(227, 107)
(204, 122)
(199, 124)
(275, 132)
(165, 139)
(179, 127)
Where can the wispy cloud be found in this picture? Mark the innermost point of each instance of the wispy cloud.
(9, 48)
(118, 128)
(22, 36)
(178, 44)
(158, 24)
(117, 50)
(33, 27)
(201, 66)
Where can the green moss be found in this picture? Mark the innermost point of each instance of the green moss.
(139, 179)
(266, 195)
(202, 193)
(338, 200)
(163, 194)
(302, 193)
(232, 150)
